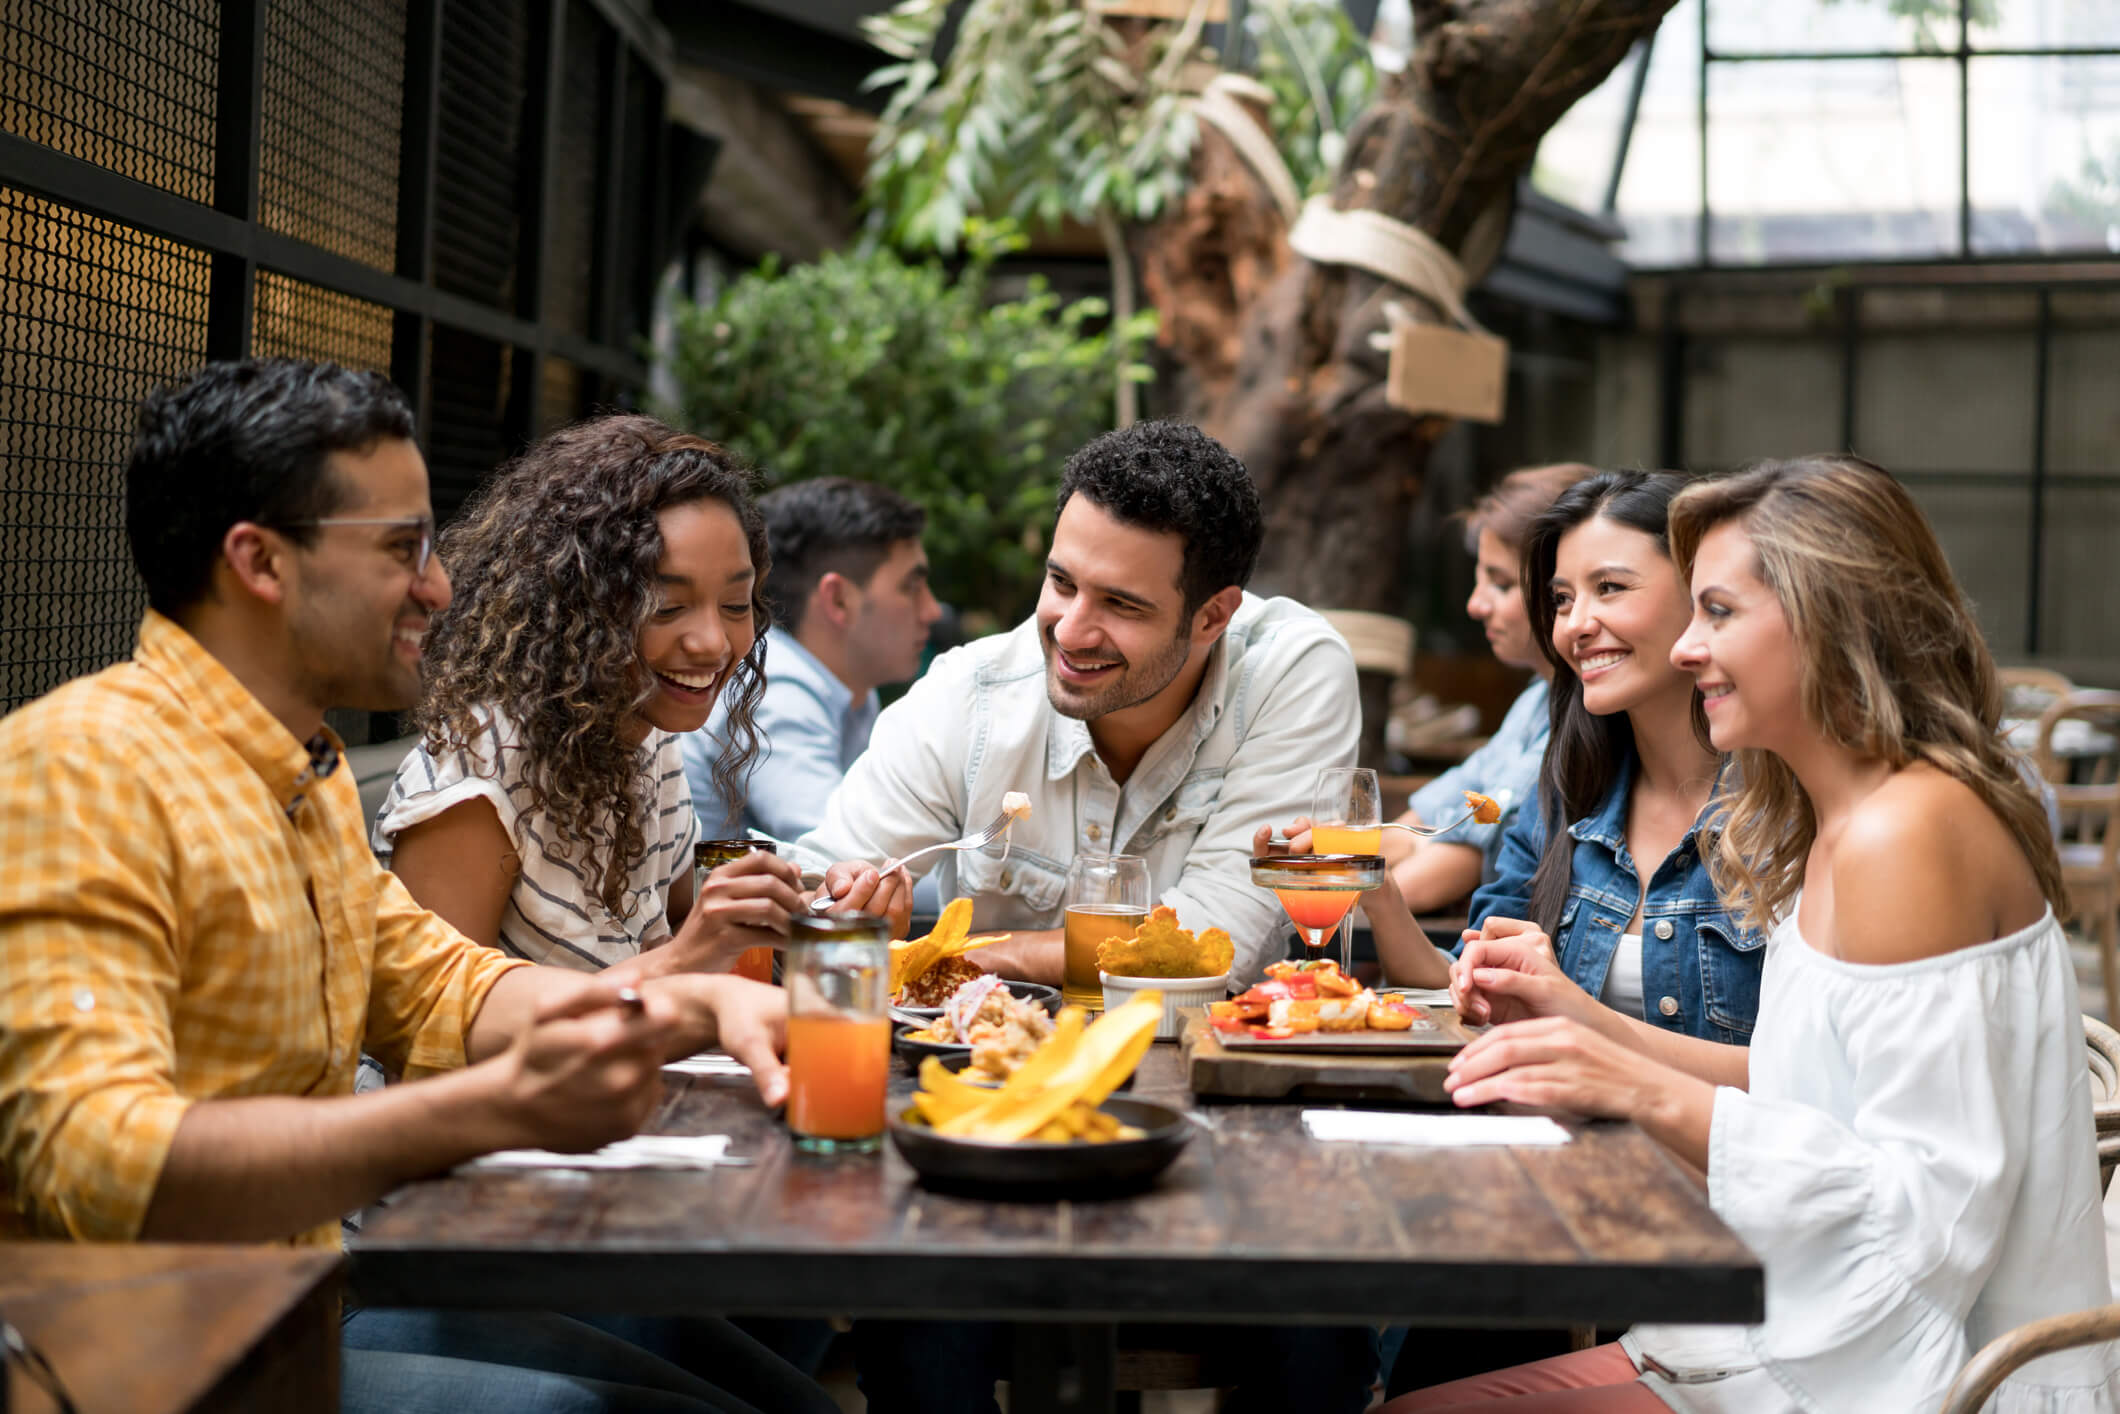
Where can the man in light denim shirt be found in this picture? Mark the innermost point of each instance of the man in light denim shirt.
(1149, 707)
(849, 588)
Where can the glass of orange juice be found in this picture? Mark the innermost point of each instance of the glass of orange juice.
(709, 855)
(1346, 812)
(1107, 897)
(839, 1031)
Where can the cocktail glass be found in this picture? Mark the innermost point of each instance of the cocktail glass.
(1347, 812)
(1319, 890)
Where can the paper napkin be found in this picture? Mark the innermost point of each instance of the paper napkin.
(1435, 1131)
(642, 1151)
(706, 1063)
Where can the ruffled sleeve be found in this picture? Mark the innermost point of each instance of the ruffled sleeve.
(432, 782)
(1880, 1230)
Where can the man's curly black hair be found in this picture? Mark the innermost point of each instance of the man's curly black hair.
(1171, 476)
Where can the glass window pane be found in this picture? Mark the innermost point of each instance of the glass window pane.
(2045, 24)
(2045, 161)
(1832, 26)
(1659, 188)
(1574, 162)
(1832, 160)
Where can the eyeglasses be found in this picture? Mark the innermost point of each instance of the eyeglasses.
(415, 559)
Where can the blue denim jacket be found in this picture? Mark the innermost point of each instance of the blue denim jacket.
(1700, 971)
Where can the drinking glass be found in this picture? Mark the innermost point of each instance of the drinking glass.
(1107, 897)
(1319, 891)
(709, 855)
(839, 1030)
(1346, 812)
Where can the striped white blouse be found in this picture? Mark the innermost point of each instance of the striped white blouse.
(553, 915)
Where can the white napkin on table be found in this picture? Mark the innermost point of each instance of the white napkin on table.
(642, 1151)
(706, 1063)
(1435, 1131)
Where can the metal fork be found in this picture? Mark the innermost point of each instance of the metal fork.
(1423, 831)
(823, 902)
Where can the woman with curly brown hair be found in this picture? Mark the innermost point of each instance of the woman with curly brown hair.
(608, 592)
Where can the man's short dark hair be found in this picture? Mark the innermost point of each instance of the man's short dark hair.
(830, 524)
(1171, 476)
(243, 442)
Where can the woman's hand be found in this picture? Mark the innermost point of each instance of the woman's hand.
(1507, 972)
(1555, 1062)
(742, 904)
(856, 886)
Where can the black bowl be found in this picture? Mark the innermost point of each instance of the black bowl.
(962, 1061)
(1034, 1169)
(1047, 997)
(915, 1051)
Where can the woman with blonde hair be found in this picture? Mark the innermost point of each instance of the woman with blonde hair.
(1907, 1143)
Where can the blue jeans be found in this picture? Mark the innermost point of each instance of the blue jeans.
(408, 1361)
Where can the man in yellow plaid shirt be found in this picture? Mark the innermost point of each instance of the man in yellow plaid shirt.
(196, 945)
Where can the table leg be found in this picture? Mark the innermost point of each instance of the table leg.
(1064, 1369)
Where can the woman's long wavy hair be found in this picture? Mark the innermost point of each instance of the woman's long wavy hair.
(554, 568)
(1891, 663)
(1584, 753)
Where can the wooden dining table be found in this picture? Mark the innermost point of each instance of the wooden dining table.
(1255, 1223)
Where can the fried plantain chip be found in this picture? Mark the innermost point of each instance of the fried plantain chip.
(1160, 948)
(912, 959)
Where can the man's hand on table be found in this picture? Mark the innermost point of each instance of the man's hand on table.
(747, 1019)
(586, 1071)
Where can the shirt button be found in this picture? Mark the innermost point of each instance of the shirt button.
(1668, 1006)
(84, 999)
(1095, 833)
(1008, 879)
(1664, 929)
(1171, 814)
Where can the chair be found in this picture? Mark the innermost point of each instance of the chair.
(2086, 786)
(2103, 1042)
(2027, 692)
(2002, 1356)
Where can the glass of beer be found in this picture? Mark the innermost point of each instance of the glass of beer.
(839, 1031)
(1107, 897)
(709, 855)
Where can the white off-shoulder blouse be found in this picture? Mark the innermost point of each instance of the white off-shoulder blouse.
(1914, 1165)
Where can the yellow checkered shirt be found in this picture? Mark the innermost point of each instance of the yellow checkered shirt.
(187, 912)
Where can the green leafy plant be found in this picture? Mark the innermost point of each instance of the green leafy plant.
(864, 364)
(1319, 68)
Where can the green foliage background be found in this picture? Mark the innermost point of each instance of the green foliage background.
(867, 365)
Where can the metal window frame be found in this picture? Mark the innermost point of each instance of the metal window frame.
(239, 247)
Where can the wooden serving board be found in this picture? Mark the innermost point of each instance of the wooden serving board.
(1346, 1072)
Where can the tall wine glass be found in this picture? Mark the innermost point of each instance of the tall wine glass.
(1107, 897)
(1347, 812)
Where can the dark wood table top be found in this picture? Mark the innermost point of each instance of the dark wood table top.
(1255, 1222)
(157, 1329)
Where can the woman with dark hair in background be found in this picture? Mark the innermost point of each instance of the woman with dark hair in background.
(1441, 869)
(1908, 1142)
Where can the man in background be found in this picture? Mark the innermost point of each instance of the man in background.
(849, 588)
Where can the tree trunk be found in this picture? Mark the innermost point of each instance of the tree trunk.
(1302, 401)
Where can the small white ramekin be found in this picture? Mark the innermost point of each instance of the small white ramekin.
(1177, 992)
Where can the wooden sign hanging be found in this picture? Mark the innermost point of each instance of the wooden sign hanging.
(1439, 371)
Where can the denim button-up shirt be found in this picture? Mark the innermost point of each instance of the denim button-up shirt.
(1700, 971)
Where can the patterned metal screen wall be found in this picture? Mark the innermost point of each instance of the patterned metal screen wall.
(334, 86)
(106, 292)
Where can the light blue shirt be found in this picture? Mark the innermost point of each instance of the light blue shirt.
(810, 729)
(1506, 769)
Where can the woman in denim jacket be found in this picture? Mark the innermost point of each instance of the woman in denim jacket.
(1628, 768)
